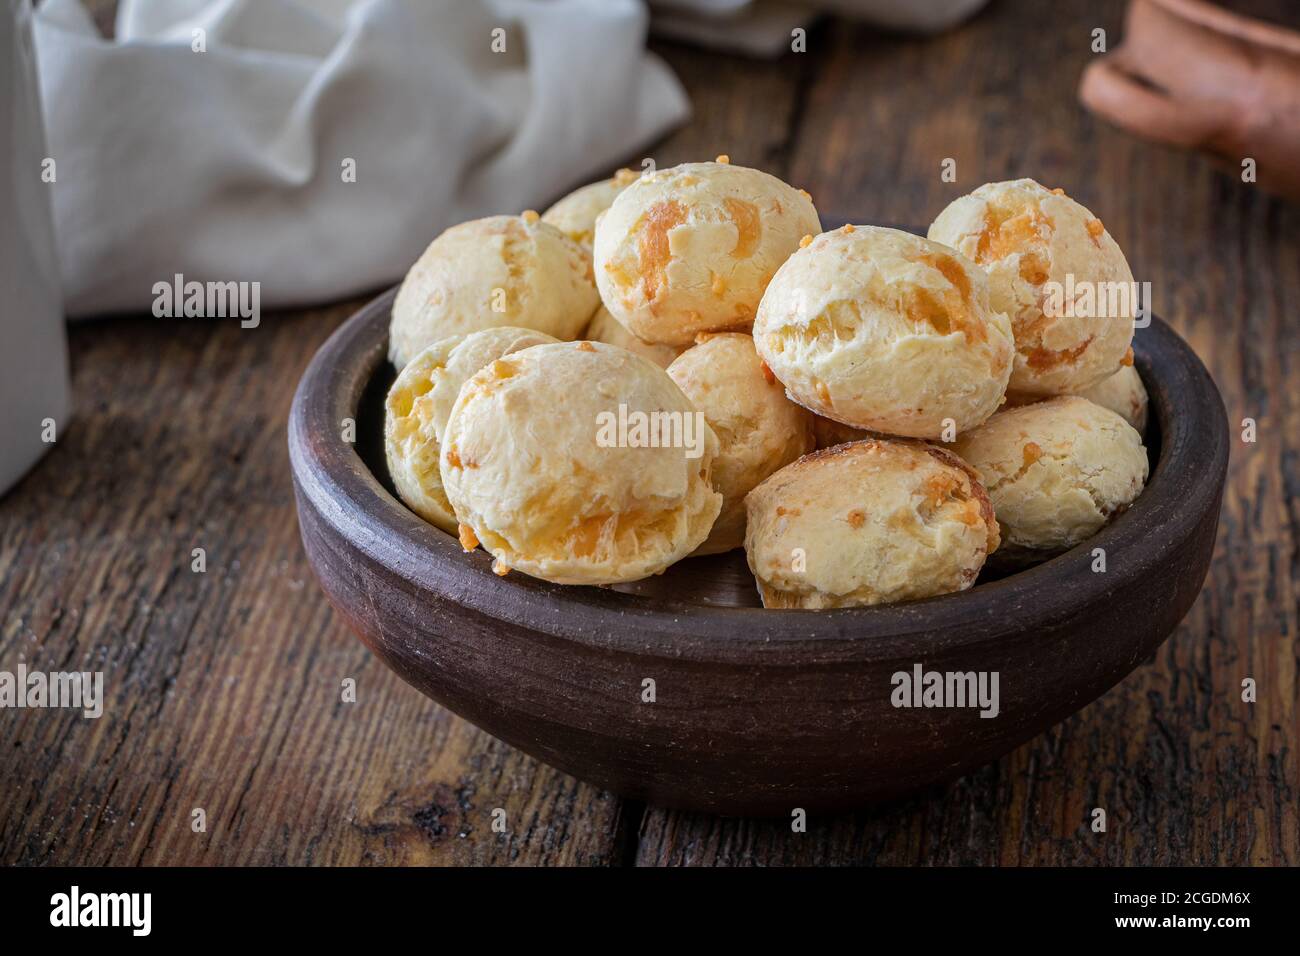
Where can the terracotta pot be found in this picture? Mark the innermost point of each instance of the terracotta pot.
(1193, 74)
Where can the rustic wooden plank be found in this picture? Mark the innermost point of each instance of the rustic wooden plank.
(1188, 773)
(224, 687)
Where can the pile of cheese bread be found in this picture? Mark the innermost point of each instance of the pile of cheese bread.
(681, 362)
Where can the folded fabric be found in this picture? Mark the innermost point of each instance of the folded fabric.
(317, 146)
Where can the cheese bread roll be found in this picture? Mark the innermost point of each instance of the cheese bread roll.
(575, 215)
(691, 249)
(1057, 471)
(1124, 394)
(419, 404)
(1056, 271)
(605, 328)
(503, 270)
(885, 331)
(759, 430)
(870, 522)
(579, 463)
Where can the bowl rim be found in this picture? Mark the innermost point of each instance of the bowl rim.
(331, 477)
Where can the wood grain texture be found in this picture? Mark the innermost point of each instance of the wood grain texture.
(223, 687)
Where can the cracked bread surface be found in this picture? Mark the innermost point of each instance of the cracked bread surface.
(869, 522)
(885, 331)
(691, 248)
(1032, 240)
(530, 476)
(1057, 471)
(502, 270)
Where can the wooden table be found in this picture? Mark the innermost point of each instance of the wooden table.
(224, 687)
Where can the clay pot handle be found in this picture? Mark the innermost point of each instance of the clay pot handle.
(1112, 92)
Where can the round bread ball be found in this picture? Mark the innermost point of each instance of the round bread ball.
(419, 404)
(503, 270)
(758, 428)
(575, 214)
(691, 249)
(885, 331)
(1040, 246)
(870, 522)
(579, 463)
(605, 328)
(1057, 471)
(1124, 394)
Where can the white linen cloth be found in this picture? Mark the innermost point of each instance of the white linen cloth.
(228, 165)
(34, 393)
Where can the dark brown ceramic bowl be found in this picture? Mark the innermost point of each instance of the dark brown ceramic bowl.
(755, 711)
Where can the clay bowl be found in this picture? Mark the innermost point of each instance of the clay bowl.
(755, 711)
